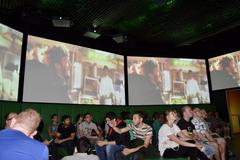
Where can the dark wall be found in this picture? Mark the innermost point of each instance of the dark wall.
(219, 100)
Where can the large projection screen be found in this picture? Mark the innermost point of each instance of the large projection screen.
(10, 57)
(57, 72)
(225, 71)
(158, 81)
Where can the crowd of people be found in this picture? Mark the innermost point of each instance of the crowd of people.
(192, 133)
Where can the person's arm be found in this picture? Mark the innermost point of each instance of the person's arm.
(72, 136)
(199, 136)
(103, 143)
(183, 137)
(183, 143)
(119, 130)
(146, 143)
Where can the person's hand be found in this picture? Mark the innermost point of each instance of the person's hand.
(112, 123)
(58, 141)
(199, 146)
(101, 143)
(46, 142)
(126, 151)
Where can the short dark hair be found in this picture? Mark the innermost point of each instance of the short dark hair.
(140, 114)
(53, 115)
(78, 116)
(64, 117)
(111, 115)
(149, 65)
(156, 115)
(125, 115)
(56, 54)
(83, 145)
(87, 114)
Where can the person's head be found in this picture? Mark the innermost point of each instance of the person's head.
(88, 117)
(79, 118)
(66, 120)
(204, 114)
(137, 118)
(156, 116)
(162, 118)
(151, 69)
(54, 118)
(8, 119)
(27, 122)
(110, 116)
(125, 115)
(228, 64)
(83, 145)
(105, 70)
(197, 113)
(170, 115)
(187, 112)
(190, 74)
(59, 58)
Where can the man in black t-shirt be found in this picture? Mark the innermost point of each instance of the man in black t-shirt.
(192, 136)
(65, 136)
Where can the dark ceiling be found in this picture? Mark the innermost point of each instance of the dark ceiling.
(165, 23)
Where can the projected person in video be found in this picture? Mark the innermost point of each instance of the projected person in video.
(59, 75)
(192, 89)
(226, 76)
(148, 86)
(106, 90)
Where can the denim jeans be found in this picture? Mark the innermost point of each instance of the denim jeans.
(107, 152)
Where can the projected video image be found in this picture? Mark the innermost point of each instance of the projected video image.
(153, 81)
(58, 72)
(225, 71)
(10, 55)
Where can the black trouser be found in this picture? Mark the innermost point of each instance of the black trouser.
(182, 151)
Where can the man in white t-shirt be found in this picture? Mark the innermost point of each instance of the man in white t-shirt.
(192, 89)
(87, 128)
(106, 90)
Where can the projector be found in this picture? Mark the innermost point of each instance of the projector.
(61, 21)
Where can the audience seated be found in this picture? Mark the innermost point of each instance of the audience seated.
(83, 149)
(65, 137)
(170, 146)
(191, 135)
(123, 138)
(53, 127)
(139, 147)
(87, 127)
(17, 141)
(79, 120)
(201, 128)
(115, 142)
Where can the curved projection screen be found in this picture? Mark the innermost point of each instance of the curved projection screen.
(154, 81)
(10, 57)
(57, 72)
(225, 71)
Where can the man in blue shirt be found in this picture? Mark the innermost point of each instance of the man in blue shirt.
(18, 143)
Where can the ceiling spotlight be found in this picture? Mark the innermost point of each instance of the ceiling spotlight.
(60, 21)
